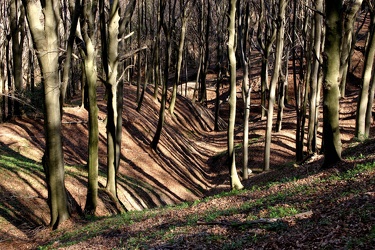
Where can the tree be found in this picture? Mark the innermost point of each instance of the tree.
(365, 99)
(167, 32)
(88, 54)
(114, 84)
(184, 22)
(75, 11)
(46, 40)
(314, 82)
(331, 93)
(17, 25)
(351, 9)
(243, 34)
(266, 35)
(235, 182)
(274, 80)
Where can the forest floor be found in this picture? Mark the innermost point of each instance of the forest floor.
(291, 206)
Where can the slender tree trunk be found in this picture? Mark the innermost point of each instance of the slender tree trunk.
(76, 10)
(88, 54)
(234, 179)
(275, 76)
(283, 86)
(266, 36)
(179, 60)
(243, 34)
(17, 24)
(116, 28)
(365, 93)
(313, 122)
(46, 39)
(351, 10)
(168, 45)
(331, 92)
(205, 57)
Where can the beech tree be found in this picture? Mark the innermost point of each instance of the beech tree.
(235, 182)
(243, 35)
(43, 19)
(88, 54)
(314, 79)
(17, 25)
(274, 80)
(331, 93)
(366, 94)
(114, 84)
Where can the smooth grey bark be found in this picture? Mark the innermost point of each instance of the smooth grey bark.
(88, 54)
(351, 10)
(206, 49)
(243, 34)
(235, 182)
(167, 33)
(114, 86)
(184, 22)
(266, 35)
(274, 80)
(75, 9)
(365, 98)
(46, 40)
(315, 72)
(331, 93)
(283, 86)
(17, 26)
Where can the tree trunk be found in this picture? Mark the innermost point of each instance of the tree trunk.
(17, 25)
(351, 10)
(167, 33)
(243, 34)
(235, 182)
(266, 36)
(116, 29)
(46, 39)
(274, 80)
(331, 92)
(88, 53)
(76, 11)
(313, 122)
(365, 93)
(179, 60)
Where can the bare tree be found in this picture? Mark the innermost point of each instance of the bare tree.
(331, 93)
(46, 39)
(275, 76)
(234, 179)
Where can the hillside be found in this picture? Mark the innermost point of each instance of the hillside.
(188, 166)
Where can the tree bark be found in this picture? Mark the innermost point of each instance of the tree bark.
(331, 92)
(352, 8)
(234, 179)
(179, 59)
(364, 94)
(317, 45)
(274, 80)
(88, 53)
(46, 39)
(243, 34)
(167, 33)
(17, 25)
(116, 28)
